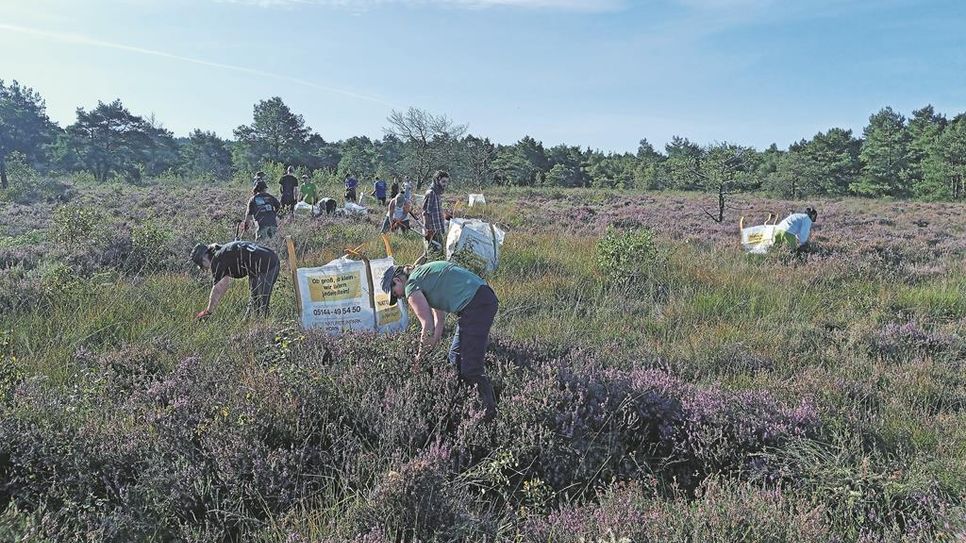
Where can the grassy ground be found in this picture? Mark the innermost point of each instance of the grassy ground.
(721, 397)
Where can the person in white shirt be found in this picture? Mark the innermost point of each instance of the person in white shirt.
(796, 229)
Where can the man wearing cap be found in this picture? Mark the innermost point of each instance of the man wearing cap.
(263, 209)
(238, 259)
(438, 288)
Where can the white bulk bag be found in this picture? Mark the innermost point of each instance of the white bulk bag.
(483, 239)
(336, 298)
(355, 209)
(303, 208)
(758, 239)
(390, 318)
(477, 199)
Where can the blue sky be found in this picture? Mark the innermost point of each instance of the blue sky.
(601, 73)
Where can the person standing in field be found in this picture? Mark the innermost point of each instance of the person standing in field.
(289, 184)
(259, 176)
(350, 188)
(394, 188)
(263, 209)
(438, 288)
(433, 221)
(309, 190)
(238, 259)
(379, 191)
(795, 230)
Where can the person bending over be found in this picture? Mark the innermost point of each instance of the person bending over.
(438, 288)
(238, 259)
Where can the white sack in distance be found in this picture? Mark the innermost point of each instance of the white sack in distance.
(477, 199)
(483, 239)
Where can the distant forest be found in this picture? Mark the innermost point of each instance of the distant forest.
(923, 156)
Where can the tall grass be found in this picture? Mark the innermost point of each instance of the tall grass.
(716, 398)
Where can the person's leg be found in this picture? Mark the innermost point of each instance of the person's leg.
(266, 286)
(252, 294)
(474, 329)
(454, 348)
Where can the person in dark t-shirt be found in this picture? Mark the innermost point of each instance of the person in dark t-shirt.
(289, 183)
(238, 259)
(263, 209)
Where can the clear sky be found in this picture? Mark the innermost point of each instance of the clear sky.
(600, 73)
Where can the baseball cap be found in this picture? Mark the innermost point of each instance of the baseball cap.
(198, 254)
(391, 273)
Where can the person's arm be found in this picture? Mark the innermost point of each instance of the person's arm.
(250, 216)
(420, 307)
(218, 290)
(439, 316)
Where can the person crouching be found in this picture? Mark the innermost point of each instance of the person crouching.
(440, 287)
(238, 259)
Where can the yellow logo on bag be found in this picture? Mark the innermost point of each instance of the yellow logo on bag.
(335, 287)
(387, 314)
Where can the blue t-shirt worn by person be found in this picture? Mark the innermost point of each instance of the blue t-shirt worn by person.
(380, 189)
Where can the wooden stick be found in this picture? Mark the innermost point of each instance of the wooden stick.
(385, 240)
(293, 267)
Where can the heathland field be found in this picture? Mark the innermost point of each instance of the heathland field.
(654, 382)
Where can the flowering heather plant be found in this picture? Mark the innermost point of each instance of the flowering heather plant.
(417, 502)
(687, 416)
(905, 341)
(725, 512)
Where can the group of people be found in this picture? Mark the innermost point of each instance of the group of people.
(378, 192)
(432, 290)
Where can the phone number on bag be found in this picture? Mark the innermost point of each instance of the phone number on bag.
(326, 312)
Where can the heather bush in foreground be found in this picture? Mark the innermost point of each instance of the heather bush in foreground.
(723, 512)
(209, 448)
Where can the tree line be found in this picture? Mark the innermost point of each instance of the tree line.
(923, 156)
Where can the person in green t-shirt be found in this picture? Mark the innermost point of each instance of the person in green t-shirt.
(309, 190)
(438, 288)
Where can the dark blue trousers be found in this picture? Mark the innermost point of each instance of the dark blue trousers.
(469, 344)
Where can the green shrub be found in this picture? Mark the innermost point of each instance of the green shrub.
(149, 242)
(27, 186)
(625, 255)
(75, 222)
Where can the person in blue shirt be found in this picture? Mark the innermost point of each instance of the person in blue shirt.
(379, 191)
(350, 188)
(795, 230)
(435, 289)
